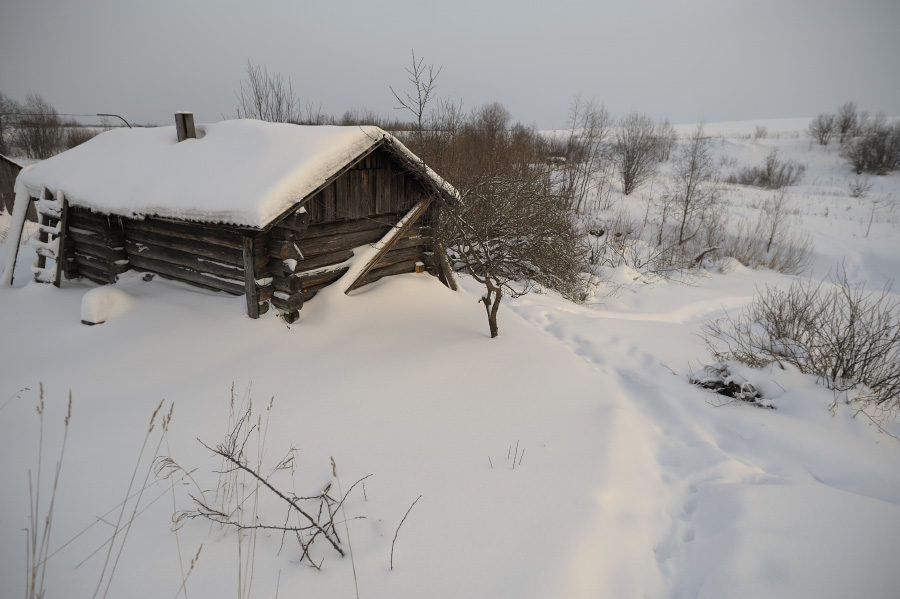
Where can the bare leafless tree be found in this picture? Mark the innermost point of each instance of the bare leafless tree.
(9, 110)
(267, 97)
(846, 121)
(423, 79)
(586, 165)
(823, 128)
(695, 191)
(666, 138)
(634, 151)
(39, 130)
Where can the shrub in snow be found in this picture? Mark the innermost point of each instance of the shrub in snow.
(846, 336)
(773, 174)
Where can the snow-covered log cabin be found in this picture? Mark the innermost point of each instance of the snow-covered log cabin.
(270, 211)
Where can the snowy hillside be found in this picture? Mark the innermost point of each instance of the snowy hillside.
(569, 457)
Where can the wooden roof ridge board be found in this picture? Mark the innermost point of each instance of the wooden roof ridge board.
(390, 239)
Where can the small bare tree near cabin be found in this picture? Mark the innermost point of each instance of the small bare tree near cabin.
(510, 229)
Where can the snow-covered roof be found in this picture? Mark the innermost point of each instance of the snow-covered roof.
(239, 172)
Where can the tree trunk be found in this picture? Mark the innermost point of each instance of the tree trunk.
(491, 306)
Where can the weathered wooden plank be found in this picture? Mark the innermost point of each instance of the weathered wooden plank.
(410, 222)
(288, 304)
(352, 226)
(188, 260)
(284, 234)
(375, 274)
(187, 275)
(263, 308)
(250, 289)
(217, 235)
(383, 178)
(324, 260)
(216, 252)
(61, 245)
(99, 264)
(322, 279)
(342, 197)
(98, 251)
(399, 255)
(91, 224)
(103, 240)
(325, 245)
(101, 277)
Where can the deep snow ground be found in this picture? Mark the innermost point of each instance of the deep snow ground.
(632, 483)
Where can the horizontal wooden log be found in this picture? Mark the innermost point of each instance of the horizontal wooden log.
(263, 308)
(101, 265)
(219, 253)
(287, 284)
(99, 225)
(350, 226)
(323, 278)
(181, 258)
(101, 252)
(284, 234)
(187, 275)
(283, 250)
(289, 304)
(397, 255)
(278, 267)
(333, 243)
(84, 213)
(310, 293)
(218, 235)
(297, 221)
(103, 240)
(100, 276)
(265, 293)
(394, 269)
(291, 317)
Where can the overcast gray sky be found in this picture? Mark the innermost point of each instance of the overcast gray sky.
(683, 60)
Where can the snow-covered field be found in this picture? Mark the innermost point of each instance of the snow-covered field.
(628, 481)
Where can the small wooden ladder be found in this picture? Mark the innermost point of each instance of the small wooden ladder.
(49, 241)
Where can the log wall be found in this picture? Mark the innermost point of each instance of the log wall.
(94, 246)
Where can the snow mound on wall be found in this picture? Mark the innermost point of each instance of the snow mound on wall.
(100, 304)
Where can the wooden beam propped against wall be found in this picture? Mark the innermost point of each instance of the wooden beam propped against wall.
(394, 236)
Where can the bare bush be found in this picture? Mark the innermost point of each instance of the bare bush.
(9, 109)
(846, 121)
(77, 135)
(39, 132)
(769, 243)
(634, 151)
(267, 97)
(775, 173)
(876, 147)
(666, 139)
(837, 331)
(823, 128)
